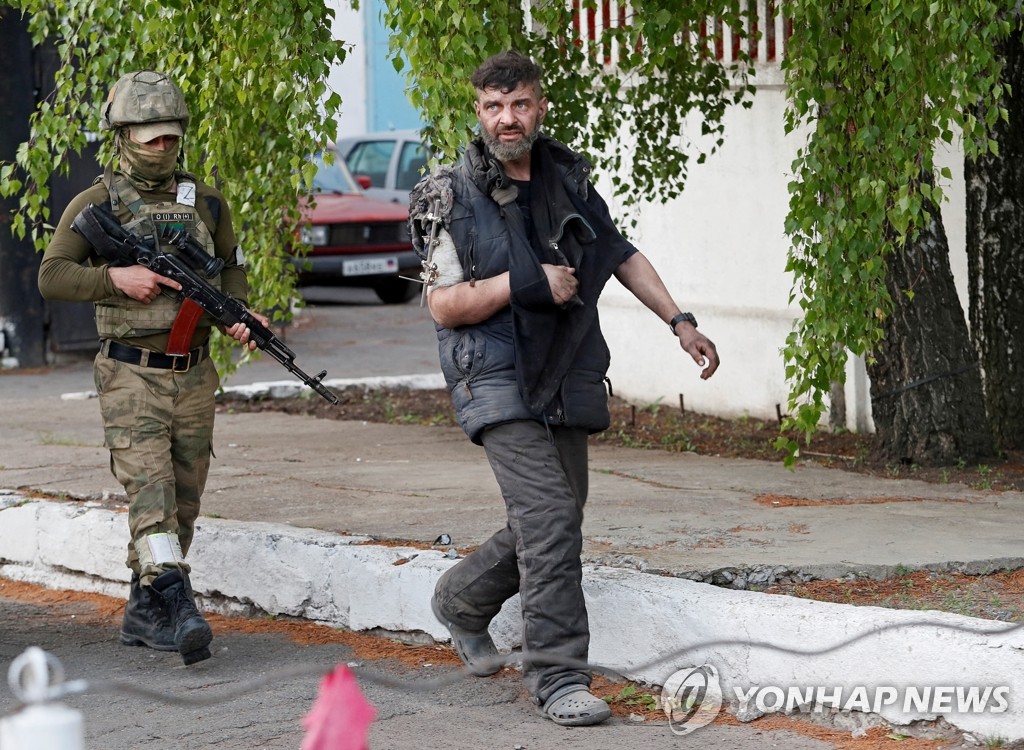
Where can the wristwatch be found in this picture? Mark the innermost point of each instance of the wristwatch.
(679, 319)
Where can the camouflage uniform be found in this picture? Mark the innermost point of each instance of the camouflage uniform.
(158, 410)
(158, 426)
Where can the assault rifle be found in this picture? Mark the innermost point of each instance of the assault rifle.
(121, 248)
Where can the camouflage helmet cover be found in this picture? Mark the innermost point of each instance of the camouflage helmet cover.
(148, 100)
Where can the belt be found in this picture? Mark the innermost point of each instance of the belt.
(147, 358)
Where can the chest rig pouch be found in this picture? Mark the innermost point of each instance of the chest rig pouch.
(124, 317)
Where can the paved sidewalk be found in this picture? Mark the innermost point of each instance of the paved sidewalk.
(698, 517)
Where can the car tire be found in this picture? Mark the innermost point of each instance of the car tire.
(396, 291)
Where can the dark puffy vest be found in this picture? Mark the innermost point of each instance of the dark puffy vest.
(478, 361)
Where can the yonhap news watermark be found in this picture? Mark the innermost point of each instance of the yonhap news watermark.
(693, 697)
(911, 699)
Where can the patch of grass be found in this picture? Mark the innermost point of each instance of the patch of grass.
(678, 441)
(746, 419)
(632, 697)
(50, 439)
(407, 419)
(625, 438)
(652, 408)
(959, 602)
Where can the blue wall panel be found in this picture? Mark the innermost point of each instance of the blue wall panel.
(386, 108)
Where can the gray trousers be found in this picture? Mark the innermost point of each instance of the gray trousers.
(543, 479)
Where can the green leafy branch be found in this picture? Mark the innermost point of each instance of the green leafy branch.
(254, 77)
(875, 85)
(661, 75)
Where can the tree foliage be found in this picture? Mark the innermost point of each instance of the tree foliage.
(877, 83)
(644, 73)
(254, 76)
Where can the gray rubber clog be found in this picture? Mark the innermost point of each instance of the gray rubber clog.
(474, 647)
(575, 706)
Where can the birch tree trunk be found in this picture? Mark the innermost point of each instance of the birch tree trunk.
(995, 258)
(926, 391)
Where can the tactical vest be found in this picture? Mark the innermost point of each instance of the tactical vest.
(124, 317)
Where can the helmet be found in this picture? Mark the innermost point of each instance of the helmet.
(148, 100)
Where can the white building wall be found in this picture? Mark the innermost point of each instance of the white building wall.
(722, 252)
(349, 79)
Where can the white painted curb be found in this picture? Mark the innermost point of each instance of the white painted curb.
(643, 626)
(293, 388)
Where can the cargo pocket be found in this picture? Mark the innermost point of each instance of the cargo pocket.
(115, 438)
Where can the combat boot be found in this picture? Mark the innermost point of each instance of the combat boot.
(145, 621)
(192, 634)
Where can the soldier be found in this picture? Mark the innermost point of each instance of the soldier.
(154, 376)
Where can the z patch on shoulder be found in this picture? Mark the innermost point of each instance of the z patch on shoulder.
(187, 193)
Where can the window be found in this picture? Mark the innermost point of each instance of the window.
(371, 158)
(332, 178)
(411, 161)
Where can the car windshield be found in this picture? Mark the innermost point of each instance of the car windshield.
(333, 178)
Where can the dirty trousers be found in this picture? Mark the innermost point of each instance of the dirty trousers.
(543, 479)
(158, 427)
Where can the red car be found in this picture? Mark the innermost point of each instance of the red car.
(357, 240)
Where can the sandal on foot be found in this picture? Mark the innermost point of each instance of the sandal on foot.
(575, 706)
(474, 647)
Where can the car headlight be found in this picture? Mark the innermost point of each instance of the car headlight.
(315, 235)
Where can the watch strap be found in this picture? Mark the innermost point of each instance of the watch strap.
(679, 318)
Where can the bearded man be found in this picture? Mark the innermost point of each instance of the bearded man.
(523, 246)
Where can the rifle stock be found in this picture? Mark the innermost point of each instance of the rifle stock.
(121, 248)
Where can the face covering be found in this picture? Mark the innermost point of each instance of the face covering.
(149, 168)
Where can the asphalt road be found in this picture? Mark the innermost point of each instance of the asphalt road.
(257, 688)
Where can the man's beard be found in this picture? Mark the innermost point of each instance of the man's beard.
(510, 151)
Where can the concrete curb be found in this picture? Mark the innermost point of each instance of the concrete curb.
(753, 640)
(292, 388)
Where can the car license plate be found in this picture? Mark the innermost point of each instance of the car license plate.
(368, 266)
